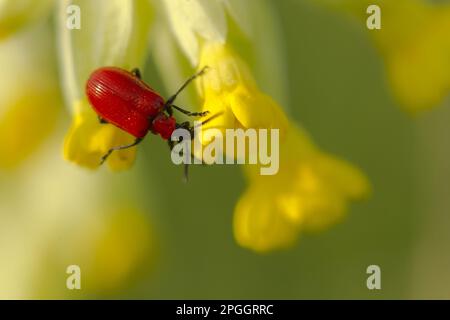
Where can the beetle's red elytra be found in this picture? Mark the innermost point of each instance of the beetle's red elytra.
(123, 99)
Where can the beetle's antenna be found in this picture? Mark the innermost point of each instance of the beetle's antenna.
(189, 113)
(187, 82)
(218, 114)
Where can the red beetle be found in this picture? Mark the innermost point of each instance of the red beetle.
(121, 98)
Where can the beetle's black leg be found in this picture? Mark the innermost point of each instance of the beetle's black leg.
(212, 118)
(101, 120)
(169, 110)
(184, 125)
(137, 73)
(188, 81)
(172, 144)
(187, 125)
(136, 142)
(189, 113)
(192, 128)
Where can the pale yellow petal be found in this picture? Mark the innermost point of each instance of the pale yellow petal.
(88, 140)
(259, 223)
(29, 94)
(311, 192)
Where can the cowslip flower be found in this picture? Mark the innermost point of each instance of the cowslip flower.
(415, 45)
(112, 33)
(115, 33)
(201, 30)
(52, 214)
(312, 189)
(229, 88)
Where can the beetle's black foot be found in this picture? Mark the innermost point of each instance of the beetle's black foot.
(189, 113)
(137, 73)
(105, 157)
(198, 114)
(135, 143)
(203, 71)
(102, 121)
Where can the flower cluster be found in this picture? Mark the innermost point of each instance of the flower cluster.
(312, 189)
(245, 83)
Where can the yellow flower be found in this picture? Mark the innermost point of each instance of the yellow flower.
(311, 189)
(29, 98)
(414, 41)
(310, 192)
(418, 61)
(113, 32)
(229, 88)
(88, 140)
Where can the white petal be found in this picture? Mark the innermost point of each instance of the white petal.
(241, 12)
(192, 18)
(113, 32)
(173, 68)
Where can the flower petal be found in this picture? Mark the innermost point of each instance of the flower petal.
(88, 140)
(228, 86)
(311, 191)
(189, 19)
(257, 110)
(258, 224)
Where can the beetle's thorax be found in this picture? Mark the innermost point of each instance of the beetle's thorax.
(163, 125)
